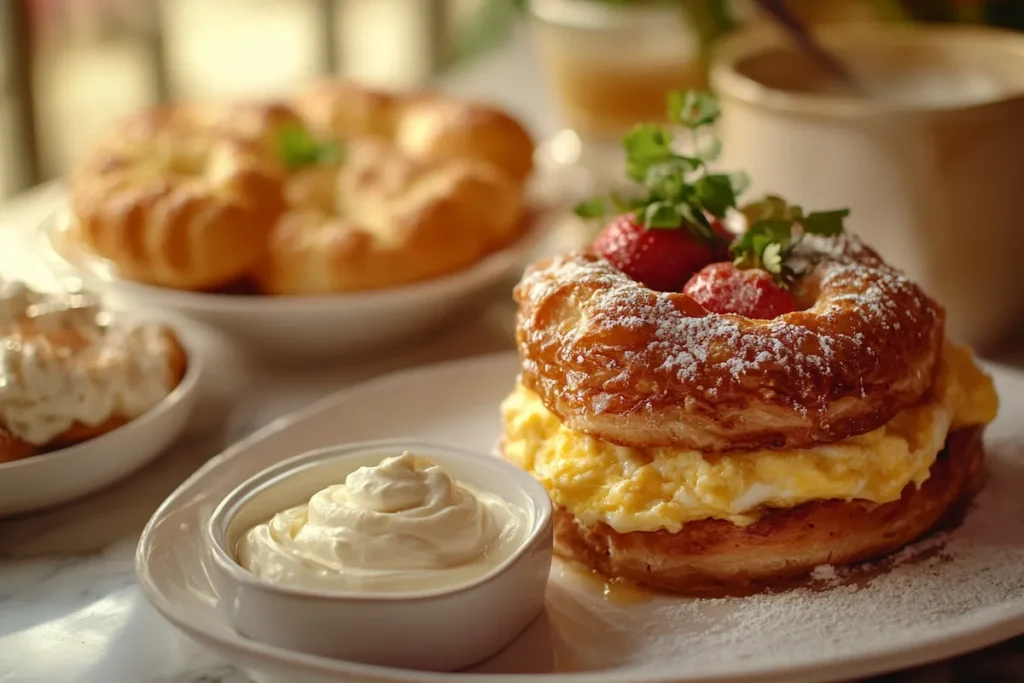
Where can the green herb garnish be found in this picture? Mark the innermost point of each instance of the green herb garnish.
(678, 190)
(774, 229)
(297, 147)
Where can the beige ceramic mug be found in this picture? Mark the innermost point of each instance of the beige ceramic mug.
(931, 162)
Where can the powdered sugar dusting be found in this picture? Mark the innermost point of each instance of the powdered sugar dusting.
(869, 327)
(826, 574)
(929, 598)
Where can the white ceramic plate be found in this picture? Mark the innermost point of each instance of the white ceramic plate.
(297, 327)
(58, 477)
(946, 596)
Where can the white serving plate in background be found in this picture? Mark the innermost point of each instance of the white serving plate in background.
(295, 328)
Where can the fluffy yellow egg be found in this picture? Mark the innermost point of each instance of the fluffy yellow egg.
(634, 489)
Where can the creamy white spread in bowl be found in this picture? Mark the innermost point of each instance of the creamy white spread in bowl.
(86, 396)
(65, 360)
(395, 553)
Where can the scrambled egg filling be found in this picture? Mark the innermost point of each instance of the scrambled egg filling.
(663, 488)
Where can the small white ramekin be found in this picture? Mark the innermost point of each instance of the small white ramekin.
(438, 630)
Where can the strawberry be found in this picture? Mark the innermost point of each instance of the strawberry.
(724, 288)
(661, 259)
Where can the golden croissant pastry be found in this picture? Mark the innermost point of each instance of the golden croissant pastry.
(341, 189)
(383, 219)
(421, 124)
(173, 201)
(712, 410)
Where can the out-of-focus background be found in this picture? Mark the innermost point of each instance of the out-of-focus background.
(69, 67)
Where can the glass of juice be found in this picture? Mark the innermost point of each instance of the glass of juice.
(611, 64)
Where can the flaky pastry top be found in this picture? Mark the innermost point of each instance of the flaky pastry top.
(172, 200)
(384, 218)
(421, 124)
(642, 368)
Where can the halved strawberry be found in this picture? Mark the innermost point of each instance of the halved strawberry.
(724, 288)
(660, 259)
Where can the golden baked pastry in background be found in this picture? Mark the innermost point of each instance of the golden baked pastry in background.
(383, 219)
(67, 375)
(259, 124)
(342, 189)
(421, 124)
(172, 201)
(711, 410)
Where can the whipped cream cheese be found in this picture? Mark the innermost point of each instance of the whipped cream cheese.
(402, 525)
(63, 361)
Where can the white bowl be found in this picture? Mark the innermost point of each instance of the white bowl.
(438, 629)
(299, 327)
(49, 479)
(931, 177)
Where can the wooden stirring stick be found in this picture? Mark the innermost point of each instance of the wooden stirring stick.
(802, 36)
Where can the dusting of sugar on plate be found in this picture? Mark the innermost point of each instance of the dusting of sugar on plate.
(826, 574)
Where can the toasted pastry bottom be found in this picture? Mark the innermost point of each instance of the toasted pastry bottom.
(714, 555)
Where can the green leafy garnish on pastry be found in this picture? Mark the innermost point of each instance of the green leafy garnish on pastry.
(774, 229)
(678, 190)
(297, 147)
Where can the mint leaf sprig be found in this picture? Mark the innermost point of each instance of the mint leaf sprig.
(297, 147)
(679, 191)
(774, 229)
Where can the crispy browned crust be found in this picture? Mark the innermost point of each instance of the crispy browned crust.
(384, 219)
(13, 448)
(711, 555)
(641, 368)
(421, 124)
(172, 200)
